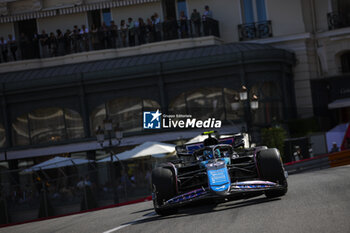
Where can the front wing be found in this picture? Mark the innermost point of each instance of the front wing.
(235, 189)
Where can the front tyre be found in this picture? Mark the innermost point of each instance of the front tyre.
(163, 183)
(271, 169)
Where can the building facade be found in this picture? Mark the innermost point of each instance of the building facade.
(278, 49)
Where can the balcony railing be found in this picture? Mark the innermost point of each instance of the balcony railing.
(338, 20)
(256, 30)
(76, 43)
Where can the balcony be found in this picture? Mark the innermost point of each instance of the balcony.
(256, 30)
(338, 20)
(170, 36)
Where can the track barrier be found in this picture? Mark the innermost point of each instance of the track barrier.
(319, 162)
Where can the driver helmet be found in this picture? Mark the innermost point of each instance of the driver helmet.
(207, 154)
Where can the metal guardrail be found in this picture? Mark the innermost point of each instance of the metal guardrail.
(320, 162)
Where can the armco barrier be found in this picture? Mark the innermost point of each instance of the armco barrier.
(339, 158)
(149, 198)
(319, 162)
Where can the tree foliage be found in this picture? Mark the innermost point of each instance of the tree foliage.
(274, 138)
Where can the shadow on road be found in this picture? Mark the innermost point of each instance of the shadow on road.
(203, 208)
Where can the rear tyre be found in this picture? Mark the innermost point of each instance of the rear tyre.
(163, 183)
(271, 169)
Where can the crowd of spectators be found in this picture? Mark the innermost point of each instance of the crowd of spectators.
(128, 33)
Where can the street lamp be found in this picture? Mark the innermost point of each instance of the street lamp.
(254, 103)
(243, 93)
(100, 136)
(250, 105)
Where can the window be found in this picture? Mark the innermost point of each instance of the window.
(270, 105)
(106, 16)
(20, 131)
(47, 125)
(204, 103)
(125, 112)
(181, 6)
(224, 104)
(253, 11)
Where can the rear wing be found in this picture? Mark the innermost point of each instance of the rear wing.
(188, 149)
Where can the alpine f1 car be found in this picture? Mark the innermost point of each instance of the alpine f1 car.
(217, 169)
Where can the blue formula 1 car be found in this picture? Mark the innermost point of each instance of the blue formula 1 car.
(217, 169)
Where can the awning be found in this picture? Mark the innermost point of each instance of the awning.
(56, 162)
(155, 149)
(340, 103)
(63, 10)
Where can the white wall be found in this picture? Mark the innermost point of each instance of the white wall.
(63, 22)
(144, 11)
(6, 29)
(321, 10)
(286, 17)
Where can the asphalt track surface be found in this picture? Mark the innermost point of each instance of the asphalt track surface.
(317, 201)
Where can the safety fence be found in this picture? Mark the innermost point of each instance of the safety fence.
(319, 162)
(61, 191)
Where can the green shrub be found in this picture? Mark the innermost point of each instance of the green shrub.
(274, 138)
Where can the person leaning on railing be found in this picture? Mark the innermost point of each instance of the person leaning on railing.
(114, 34)
(207, 21)
(13, 46)
(196, 21)
(183, 25)
(4, 49)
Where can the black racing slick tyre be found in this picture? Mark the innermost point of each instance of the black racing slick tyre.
(163, 183)
(271, 169)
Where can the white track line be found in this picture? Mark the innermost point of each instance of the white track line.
(130, 223)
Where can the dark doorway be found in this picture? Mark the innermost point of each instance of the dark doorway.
(345, 62)
(169, 9)
(30, 30)
(94, 17)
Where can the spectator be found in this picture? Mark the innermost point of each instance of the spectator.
(53, 45)
(44, 42)
(95, 41)
(334, 148)
(67, 42)
(207, 20)
(76, 39)
(150, 30)
(174, 27)
(60, 43)
(13, 46)
(297, 154)
(114, 34)
(123, 31)
(4, 49)
(35, 45)
(157, 27)
(104, 31)
(84, 35)
(141, 31)
(131, 28)
(23, 43)
(183, 25)
(196, 20)
(166, 29)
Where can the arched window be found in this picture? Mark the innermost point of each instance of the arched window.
(234, 107)
(202, 103)
(47, 125)
(270, 103)
(125, 112)
(20, 131)
(2, 136)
